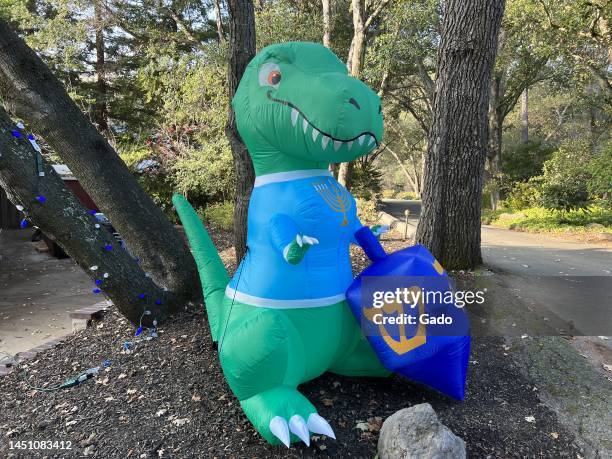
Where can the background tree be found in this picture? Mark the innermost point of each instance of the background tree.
(32, 93)
(241, 51)
(450, 219)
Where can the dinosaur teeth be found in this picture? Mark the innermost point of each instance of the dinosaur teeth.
(361, 139)
(350, 144)
(304, 125)
(371, 141)
(324, 141)
(337, 145)
(315, 134)
(294, 116)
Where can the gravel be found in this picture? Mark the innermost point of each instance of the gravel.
(169, 399)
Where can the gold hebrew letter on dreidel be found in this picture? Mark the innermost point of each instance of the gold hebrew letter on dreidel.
(404, 344)
(335, 196)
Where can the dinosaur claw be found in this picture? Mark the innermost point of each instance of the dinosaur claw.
(297, 425)
(280, 429)
(317, 424)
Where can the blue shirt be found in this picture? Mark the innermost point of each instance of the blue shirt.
(283, 205)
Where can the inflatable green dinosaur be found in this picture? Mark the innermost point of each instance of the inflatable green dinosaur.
(283, 319)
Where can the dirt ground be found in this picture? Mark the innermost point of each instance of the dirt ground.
(37, 292)
(169, 399)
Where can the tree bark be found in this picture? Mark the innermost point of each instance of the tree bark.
(62, 217)
(31, 92)
(101, 106)
(326, 23)
(218, 19)
(241, 51)
(525, 116)
(354, 62)
(450, 219)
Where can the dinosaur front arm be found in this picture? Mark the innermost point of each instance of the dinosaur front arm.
(288, 240)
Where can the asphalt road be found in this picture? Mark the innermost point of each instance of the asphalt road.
(571, 280)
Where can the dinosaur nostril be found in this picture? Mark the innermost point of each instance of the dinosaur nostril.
(354, 102)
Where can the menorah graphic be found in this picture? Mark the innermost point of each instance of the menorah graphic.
(335, 196)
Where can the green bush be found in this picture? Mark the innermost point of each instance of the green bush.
(407, 195)
(600, 181)
(220, 215)
(525, 160)
(366, 211)
(564, 182)
(366, 181)
(388, 194)
(523, 195)
(539, 219)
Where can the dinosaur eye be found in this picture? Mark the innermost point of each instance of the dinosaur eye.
(269, 75)
(274, 77)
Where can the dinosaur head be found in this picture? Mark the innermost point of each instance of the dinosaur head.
(297, 108)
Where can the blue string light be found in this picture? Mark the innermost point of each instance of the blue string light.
(98, 281)
(108, 247)
(23, 223)
(96, 290)
(40, 198)
(16, 134)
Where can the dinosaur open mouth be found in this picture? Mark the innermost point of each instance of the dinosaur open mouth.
(365, 137)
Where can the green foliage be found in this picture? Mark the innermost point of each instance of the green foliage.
(407, 195)
(284, 20)
(564, 183)
(600, 181)
(525, 160)
(220, 215)
(594, 218)
(366, 182)
(388, 194)
(366, 211)
(523, 195)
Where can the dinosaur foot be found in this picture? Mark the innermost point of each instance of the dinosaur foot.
(283, 415)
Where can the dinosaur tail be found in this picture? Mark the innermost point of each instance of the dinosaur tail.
(213, 274)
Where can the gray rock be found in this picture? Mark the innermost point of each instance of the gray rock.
(415, 432)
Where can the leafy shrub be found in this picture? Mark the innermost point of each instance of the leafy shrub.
(523, 195)
(220, 215)
(366, 181)
(388, 194)
(564, 183)
(600, 181)
(539, 219)
(406, 195)
(525, 160)
(366, 211)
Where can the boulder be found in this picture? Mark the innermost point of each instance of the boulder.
(416, 432)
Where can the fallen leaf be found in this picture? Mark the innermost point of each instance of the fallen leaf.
(362, 425)
(328, 402)
(196, 398)
(530, 419)
(131, 391)
(555, 435)
(181, 422)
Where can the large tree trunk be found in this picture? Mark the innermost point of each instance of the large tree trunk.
(241, 51)
(31, 92)
(101, 107)
(450, 219)
(64, 218)
(525, 116)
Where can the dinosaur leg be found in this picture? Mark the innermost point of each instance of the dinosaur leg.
(262, 355)
(359, 358)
